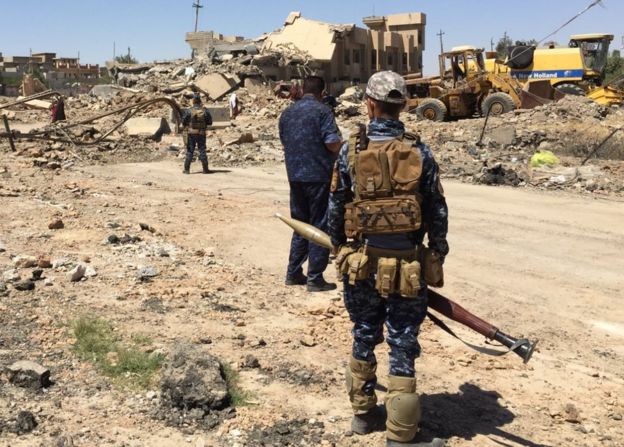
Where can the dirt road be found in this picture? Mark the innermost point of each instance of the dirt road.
(544, 265)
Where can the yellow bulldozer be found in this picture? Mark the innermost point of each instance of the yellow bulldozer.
(578, 69)
(463, 89)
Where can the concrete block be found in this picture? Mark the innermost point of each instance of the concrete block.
(503, 135)
(216, 85)
(220, 117)
(27, 374)
(38, 104)
(256, 86)
(147, 127)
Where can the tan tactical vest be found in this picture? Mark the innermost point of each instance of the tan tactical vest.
(198, 121)
(386, 177)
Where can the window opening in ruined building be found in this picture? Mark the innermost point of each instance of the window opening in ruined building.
(347, 57)
(374, 59)
(405, 60)
(390, 58)
(356, 57)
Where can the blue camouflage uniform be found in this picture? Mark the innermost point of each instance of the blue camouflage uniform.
(367, 309)
(196, 140)
(304, 128)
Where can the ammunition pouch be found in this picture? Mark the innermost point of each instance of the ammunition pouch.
(403, 407)
(432, 267)
(396, 271)
(386, 276)
(358, 267)
(342, 258)
(409, 285)
(353, 262)
(361, 380)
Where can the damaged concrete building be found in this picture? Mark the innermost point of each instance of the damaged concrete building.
(342, 54)
(214, 44)
(348, 53)
(57, 72)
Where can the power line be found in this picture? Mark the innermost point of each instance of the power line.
(590, 6)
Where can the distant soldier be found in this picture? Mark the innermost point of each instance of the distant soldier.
(196, 120)
(386, 196)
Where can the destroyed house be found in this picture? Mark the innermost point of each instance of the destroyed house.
(346, 54)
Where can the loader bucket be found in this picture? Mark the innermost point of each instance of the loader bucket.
(538, 93)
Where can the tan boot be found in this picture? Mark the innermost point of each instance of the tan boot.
(403, 408)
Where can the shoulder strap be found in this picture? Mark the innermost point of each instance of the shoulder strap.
(412, 138)
(358, 141)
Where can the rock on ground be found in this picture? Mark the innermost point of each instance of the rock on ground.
(28, 374)
(193, 378)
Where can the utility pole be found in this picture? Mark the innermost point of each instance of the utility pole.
(114, 51)
(197, 5)
(440, 34)
(491, 44)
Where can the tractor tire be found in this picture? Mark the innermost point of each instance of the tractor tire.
(431, 109)
(497, 104)
(570, 89)
(520, 57)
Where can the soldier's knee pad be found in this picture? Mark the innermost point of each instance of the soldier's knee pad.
(361, 380)
(403, 408)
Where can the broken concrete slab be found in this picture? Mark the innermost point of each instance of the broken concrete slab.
(255, 86)
(147, 127)
(243, 138)
(216, 85)
(503, 135)
(38, 104)
(352, 94)
(108, 91)
(27, 374)
(220, 117)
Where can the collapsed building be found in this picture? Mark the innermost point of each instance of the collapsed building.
(342, 54)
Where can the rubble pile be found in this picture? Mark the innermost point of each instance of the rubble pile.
(570, 128)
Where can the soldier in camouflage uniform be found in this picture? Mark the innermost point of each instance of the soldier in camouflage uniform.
(196, 120)
(386, 94)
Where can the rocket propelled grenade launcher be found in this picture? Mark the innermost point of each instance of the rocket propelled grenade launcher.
(522, 347)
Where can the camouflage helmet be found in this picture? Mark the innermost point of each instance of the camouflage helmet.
(387, 86)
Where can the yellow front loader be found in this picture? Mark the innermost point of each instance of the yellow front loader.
(578, 69)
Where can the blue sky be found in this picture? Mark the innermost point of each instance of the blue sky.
(154, 29)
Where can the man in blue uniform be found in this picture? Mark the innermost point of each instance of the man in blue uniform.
(196, 120)
(386, 195)
(311, 139)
